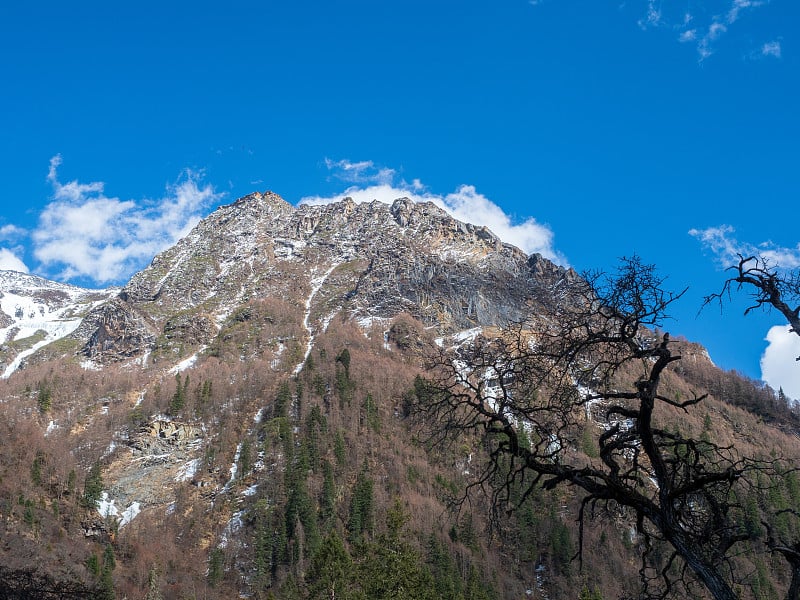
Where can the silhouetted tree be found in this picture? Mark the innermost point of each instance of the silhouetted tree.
(768, 287)
(591, 350)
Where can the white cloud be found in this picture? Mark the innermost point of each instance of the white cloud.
(11, 262)
(10, 232)
(778, 365)
(726, 248)
(85, 233)
(363, 171)
(771, 49)
(465, 204)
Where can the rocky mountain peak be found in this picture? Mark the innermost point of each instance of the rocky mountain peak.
(361, 261)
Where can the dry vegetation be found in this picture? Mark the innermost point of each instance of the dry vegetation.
(342, 429)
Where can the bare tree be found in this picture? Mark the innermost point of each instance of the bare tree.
(768, 286)
(590, 351)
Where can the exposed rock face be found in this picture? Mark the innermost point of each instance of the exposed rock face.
(118, 331)
(172, 432)
(377, 261)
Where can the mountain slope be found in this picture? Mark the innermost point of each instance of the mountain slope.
(234, 420)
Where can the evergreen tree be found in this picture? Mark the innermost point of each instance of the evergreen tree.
(93, 486)
(93, 564)
(36, 468)
(392, 568)
(179, 397)
(153, 586)
(339, 449)
(71, 478)
(106, 577)
(344, 359)
(282, 400)
(245, 459)
(44, 399)
(331, 572)
(327, 502)
(216, 567)
(361, 506)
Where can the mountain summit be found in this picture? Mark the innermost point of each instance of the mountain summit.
(361, 261)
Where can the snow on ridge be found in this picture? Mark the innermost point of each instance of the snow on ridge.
(25, 302)
(316, 285)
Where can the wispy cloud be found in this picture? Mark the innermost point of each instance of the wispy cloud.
(465, 204)
(653, 17)
(83, 232)
(720, 241)
(771, 49)
(360, 172)
(709, 21)
(778, 368)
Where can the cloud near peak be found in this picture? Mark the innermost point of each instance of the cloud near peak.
(465, 204)
(9, 261)
(83, 232)
(778, 368)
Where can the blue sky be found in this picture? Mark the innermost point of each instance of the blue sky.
(584, 129)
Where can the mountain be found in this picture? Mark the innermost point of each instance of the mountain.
(366, 262)
(35, 312)
(233, 421)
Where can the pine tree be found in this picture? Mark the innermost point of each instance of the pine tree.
(361, 506)
(327, 502)
(44, 399)
(106, 577)
(93, 486)
(179, 397)
(36, 468)
(153, 586)
(392, 568)
(331, 570)
(216, 567)
(282, 400)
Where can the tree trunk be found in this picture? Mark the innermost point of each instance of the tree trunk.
(707, 573)
(793, 593)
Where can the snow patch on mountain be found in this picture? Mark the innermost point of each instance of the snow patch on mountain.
(106, 506)
(37, 312)
(316, 285)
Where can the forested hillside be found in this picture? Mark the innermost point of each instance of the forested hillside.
(246, 418)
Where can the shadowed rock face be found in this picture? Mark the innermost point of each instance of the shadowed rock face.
(378, 261)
